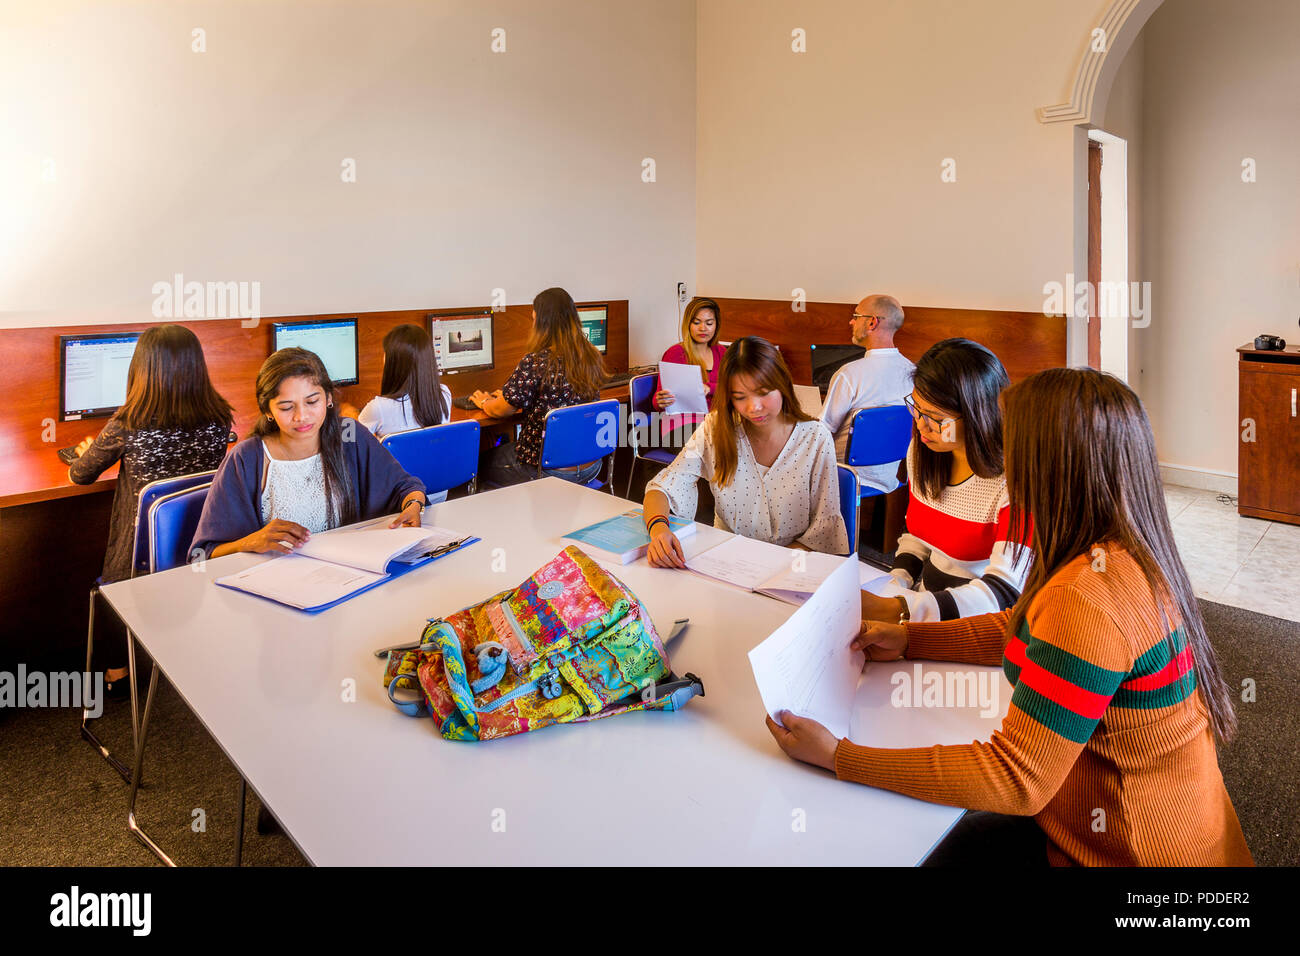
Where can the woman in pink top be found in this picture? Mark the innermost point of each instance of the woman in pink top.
(699, 346)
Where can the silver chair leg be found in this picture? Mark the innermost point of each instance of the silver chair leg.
(131, 823)
(87, 734)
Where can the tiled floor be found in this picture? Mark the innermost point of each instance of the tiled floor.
(1245, 562)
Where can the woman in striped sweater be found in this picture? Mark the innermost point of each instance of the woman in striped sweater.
(1107, 753)
(957, 556)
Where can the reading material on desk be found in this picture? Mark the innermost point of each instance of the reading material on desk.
(624, 538)
(787, 574)
(806, 665)
(336, 565)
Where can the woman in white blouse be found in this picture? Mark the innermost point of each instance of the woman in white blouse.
(770, 466)
(410, 392)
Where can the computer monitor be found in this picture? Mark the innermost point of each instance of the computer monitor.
(92, 373)
(826, 359)
(595, 325)
(333, 340)
(462, 342)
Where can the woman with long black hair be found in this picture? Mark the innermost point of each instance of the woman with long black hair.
(957, 556)
(1107, 752)
(411, 393)
(172, 423)
(303, 469)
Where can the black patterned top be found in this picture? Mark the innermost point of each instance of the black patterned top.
(537, 385)
(147, 454)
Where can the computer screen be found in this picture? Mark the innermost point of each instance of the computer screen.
(334, 341)
(826, 359)
(462, 342)
(92, 373)
(595, 325)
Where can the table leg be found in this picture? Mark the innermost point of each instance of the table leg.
(131, 823)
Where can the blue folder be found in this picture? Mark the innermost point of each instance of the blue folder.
(395, 569)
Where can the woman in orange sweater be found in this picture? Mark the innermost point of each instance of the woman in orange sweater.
(1109, 741)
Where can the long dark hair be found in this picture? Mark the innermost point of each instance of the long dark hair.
(558, 329)
(340, 497)
(167, 383)
(1081, 463)
(411, 369)
(964, 377)
(760, 361)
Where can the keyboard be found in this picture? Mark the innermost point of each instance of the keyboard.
(463, 401)
(622, 378)
(68, 455)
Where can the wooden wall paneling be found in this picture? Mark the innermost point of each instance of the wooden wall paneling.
(30, 430)
(1025, 342)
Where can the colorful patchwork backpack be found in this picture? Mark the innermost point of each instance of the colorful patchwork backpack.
(570, 644)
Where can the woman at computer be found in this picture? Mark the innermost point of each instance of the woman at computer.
(770, 466)
(701, 326)
(1106, 755)
(410, 393)
(297, 473)
(560, 369)
(958, 556)
(172, 422)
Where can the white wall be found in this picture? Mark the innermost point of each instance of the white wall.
(821, 170)
(475, 170)
(1222, 83)
(1122, 116)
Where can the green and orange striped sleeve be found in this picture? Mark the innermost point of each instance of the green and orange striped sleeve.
(1068, 667)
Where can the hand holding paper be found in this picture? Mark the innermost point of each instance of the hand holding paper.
(807, 666)
(687, 386)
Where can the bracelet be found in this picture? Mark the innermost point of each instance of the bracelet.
(905, 614)
(650, 527)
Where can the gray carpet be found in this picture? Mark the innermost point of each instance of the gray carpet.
(62, 805)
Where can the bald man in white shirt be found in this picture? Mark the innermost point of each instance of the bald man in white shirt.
(881, 377)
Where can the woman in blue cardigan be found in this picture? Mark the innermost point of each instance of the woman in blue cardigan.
(303, 470)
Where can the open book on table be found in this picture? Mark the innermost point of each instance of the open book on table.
(624, 538)
(334, 566)
(787, 574)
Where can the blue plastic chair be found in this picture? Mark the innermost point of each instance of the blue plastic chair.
(148, 495)
(878, 436)
(140, 564)
(848, 480)
(170, 525)
(442, 456)
(641, 393)
(578, 434)
(173, 519)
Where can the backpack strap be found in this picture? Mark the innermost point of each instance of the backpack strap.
(675, 694)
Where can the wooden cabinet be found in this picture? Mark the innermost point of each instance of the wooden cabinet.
(1268, 410)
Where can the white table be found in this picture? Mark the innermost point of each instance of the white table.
(360, 783)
